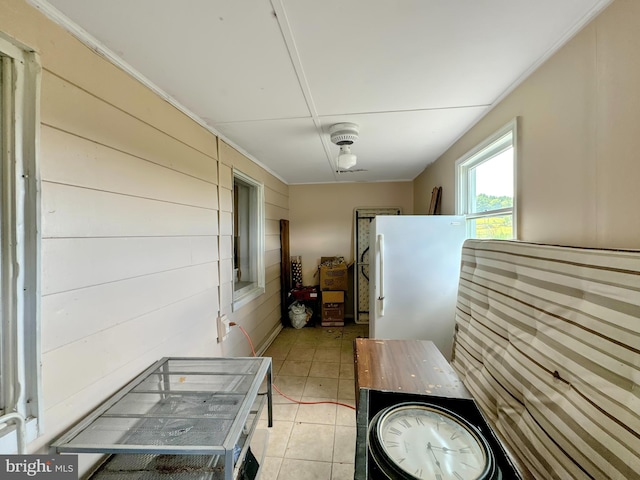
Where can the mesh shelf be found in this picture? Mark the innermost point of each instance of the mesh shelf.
(180, 418)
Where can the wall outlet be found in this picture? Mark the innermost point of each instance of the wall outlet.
(224, 327)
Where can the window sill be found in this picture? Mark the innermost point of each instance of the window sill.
(245, 295)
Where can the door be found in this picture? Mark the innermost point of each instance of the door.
(362, 220)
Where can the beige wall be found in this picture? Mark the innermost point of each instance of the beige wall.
(578, 170)
(322, 217)
(136, 249)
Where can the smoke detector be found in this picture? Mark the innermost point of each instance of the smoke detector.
(343, 135)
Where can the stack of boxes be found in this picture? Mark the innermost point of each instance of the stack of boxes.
(333, 286)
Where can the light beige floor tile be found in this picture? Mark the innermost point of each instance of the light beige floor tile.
(324, 413)
(346, 357)
(283, 341)
(292, 469)
(324, 369)
(276, 364)
(301, 354)
(345, 416)
(290, 386)
(327, 355)
(344, 446)
(327, 341)
(346, 389)
(346, 345)
(346, 370)
(278, 437)
(260, 442)
(305, 341)
(285, 412)
(294, 368)
(342, 471)
(333, 332)
(353, 333)
(321, 387)
(270, 468)
(277, 352)
(309, 441)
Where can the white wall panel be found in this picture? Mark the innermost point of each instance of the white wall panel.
(226, 270)
(225, 176)
(226, 200)
(79, 212)
(199, 337)
(226, 247)
(77, 161)
(226, 298)
(72, 263)
(69, 316)
(64, 375)
(226, 223)
(203, 249)
(67, 108)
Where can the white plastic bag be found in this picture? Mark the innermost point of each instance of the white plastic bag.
(299, 314)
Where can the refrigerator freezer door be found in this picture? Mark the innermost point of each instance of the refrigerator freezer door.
(418, 269)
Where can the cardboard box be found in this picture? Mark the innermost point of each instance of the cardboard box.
(333, 277)
(332, 309)
(333, 297)
(332, 314)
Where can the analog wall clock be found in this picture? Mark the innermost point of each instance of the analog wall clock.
(424, 441)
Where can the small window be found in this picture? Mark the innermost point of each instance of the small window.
(485, 183)
(248, 239)
(20, 383)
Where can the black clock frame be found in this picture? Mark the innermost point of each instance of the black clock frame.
(379, 455)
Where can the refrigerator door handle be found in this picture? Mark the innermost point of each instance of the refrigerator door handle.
(381, 275)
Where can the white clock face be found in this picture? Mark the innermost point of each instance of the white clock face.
(429, 444)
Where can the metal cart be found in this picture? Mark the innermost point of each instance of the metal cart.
(190, 418)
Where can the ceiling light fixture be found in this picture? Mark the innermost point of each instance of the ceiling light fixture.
(343, 135)
(346, 159)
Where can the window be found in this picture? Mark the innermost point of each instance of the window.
(19, 241)
(248, 239)
(485, 184)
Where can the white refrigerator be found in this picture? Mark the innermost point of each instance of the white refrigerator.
(413, 277)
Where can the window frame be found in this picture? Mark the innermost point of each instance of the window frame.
(20, 222)
(256, 225)
(484, 151)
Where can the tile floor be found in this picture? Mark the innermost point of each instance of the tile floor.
(312, 441)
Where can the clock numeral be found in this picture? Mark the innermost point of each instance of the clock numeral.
(395, 431)
(454, 436)
(405, 422)
(470, 466)
(393, 444)
(458, 476)
(438, 476)
(401, 460)
(419, 421)
(465, 450)
(418, 472)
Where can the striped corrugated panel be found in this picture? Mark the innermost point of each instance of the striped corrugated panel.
(548, 342)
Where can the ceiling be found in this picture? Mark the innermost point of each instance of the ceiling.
(271, 76)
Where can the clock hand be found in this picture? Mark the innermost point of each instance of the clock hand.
(445, 449)
(430, 448)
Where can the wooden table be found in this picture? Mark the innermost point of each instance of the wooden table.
(411, 366)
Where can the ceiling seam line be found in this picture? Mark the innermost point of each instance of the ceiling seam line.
(287, 35)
